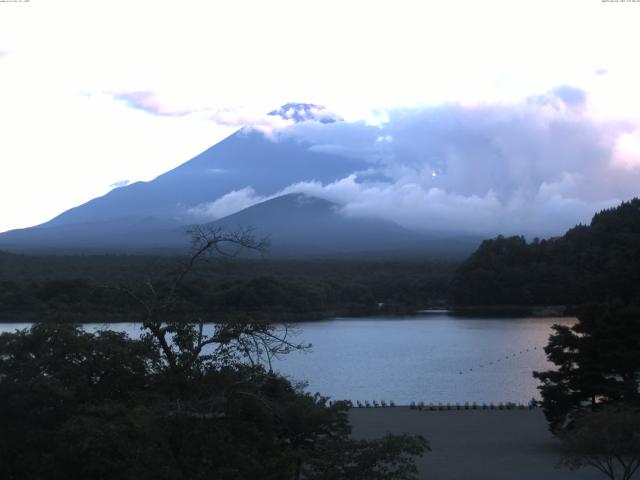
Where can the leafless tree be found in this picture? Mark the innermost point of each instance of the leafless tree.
(185, 346)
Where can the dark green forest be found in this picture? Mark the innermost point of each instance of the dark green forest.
(593, 263)
(94, 288)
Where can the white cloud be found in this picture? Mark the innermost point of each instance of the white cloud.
(228, 204)
(627, 151)
(120, 184)
(535, 167)
(266, 124)
(148, 102)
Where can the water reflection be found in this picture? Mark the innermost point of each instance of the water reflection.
(432, 357)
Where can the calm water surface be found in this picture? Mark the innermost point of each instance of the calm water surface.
(432, 357)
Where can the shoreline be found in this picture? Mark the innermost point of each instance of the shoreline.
(481, 312)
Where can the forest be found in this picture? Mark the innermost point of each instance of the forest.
(594, 263)
(94, 288)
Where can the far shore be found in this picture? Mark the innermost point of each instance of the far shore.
(511, 311)
(475, 444)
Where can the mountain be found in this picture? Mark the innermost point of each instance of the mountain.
(296, 225)
(300, 225)
(131, 234)
(246, 158)
(153, 216)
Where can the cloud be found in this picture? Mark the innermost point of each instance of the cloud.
(274, 122)
(121, 183)
(436, 210)
(564, 98)
(535, 167)
(571, 96)
(148, 102)
(266, 124)
(228, 204)
(302, 112)
(627, 151)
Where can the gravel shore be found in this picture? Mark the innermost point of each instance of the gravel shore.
(475, 444)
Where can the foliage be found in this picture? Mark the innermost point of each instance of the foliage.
(80, 288)
(595, 263)
(81, 405)
(607, 439)
(597, 361)
(180, 403)
(389, 457)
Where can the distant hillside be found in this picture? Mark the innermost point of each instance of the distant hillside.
(595, 263)
(297, 226)
(300, 225)
(132, 234)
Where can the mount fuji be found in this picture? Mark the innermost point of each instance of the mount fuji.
(153, 216)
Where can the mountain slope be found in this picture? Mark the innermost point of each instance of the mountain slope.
(298, 225)
(244, 159)
(135, 234)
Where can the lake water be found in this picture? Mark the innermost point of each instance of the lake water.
(432, 357)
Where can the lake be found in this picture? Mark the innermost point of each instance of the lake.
(431, 357)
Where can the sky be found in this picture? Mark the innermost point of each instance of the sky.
(497, 115)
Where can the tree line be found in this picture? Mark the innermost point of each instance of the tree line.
(83, 288)
(592, 263)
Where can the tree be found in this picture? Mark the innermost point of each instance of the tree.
(391, 456)
(597, 360)
(180, 403)
(50, 376)
(607, 439)
(599, 262)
